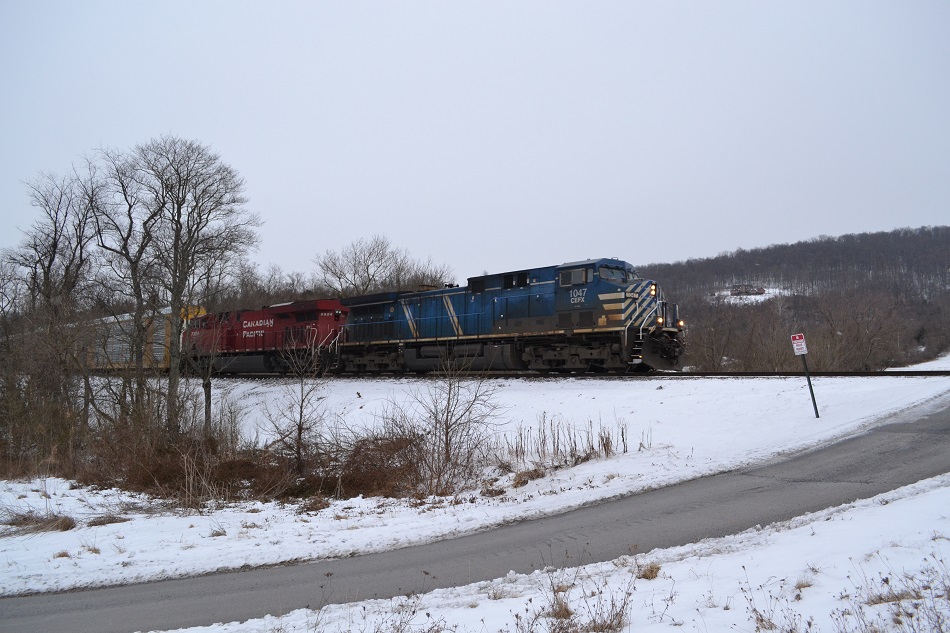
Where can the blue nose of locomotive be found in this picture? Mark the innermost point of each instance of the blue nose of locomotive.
(661, 333)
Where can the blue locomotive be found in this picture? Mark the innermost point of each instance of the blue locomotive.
(594, 315)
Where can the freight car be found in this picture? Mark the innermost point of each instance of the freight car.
(268, 340)
(110, 347)
(594, 315)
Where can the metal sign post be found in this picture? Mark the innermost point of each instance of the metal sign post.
(798, 344)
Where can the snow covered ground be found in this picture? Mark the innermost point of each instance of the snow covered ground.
(676, 429)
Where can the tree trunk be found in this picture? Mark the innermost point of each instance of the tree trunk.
(206, 386)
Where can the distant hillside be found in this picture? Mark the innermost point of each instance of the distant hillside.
(915, 258)
(866, 301)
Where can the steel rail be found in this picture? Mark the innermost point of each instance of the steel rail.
(533, 375)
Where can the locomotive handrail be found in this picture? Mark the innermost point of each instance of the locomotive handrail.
(646, 317)
(330, 339)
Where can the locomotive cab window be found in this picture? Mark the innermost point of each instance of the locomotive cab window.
(616, 275)
(574, 277)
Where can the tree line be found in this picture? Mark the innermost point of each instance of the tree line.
(865, 301)
(135, 239)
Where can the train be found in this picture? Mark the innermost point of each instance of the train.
(595, 315)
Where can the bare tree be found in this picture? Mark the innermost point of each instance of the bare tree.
(55, 255)
(55, 262)
(449, 424)
(375, 265)
(11, 290)
(125, 223)
(296, 417)
(201, 224)
(859, 333)
(253, 287)
(12, 408)
(711, 340)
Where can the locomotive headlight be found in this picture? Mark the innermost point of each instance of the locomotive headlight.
(659, 320)
(681, 323)
(652, 290)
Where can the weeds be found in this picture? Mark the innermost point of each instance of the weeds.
(448, 427)
(556, 443)
(650, 571)
(489, 490)
(403, 618)
(106, 519)
(597, 607)
(522, 477)
(769, 610)
(90, 546)
(667, 600)
(905, 603)
(313, 504)
(29, 521)
(217, 530)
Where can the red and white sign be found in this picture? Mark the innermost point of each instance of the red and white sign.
(798, 344)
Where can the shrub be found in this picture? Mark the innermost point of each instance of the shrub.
(523, 477)
(380, 465)
(449, 425)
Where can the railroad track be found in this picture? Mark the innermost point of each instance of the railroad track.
(826, 374)
(648, 376)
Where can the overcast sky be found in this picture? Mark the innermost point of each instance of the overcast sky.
(501, 135)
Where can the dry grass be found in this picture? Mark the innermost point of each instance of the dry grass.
(909, 601)
(557, 443)
(30, 521)
(489, 490)
(314, 504)
(560, 609)
(106, 519)
(571, 605)
(650, 571)
(522, 478)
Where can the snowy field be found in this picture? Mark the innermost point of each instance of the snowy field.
(676, 429)
(728, 297)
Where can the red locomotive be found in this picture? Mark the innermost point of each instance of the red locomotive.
(268, 340)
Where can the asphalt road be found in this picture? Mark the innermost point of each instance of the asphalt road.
(913, 448)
